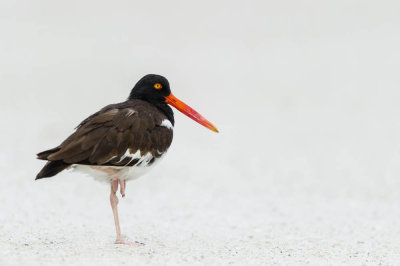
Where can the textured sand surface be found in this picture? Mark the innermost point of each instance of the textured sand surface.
(306, 96)
(219, 211)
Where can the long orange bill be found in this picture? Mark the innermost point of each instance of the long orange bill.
(187, 110)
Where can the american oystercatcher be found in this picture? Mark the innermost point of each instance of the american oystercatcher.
(122, 141)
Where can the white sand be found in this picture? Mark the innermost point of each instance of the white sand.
(305, 170)
(201, 209)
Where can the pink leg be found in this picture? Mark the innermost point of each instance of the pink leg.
(122, 185)
(114, 206)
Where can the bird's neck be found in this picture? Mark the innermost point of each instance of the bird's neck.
(162, 106)
(165, 109)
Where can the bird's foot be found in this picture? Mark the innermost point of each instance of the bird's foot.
(122, 186)
(123, 241)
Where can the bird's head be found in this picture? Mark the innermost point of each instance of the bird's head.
(155, 89)
(151, 88)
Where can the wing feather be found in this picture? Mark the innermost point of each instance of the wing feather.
(104, 137)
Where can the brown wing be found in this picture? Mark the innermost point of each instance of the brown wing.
(106, 136)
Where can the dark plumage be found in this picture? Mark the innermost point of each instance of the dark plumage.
(103, 138)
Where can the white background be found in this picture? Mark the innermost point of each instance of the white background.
(305, 169)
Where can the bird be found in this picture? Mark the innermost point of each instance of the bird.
(122, 141)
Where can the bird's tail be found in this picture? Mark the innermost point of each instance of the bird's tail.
(44, 154)
(51, 169)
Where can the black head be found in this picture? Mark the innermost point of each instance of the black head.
(155, 90)
(152, 88)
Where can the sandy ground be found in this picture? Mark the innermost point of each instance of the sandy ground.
(196, 219)
(305, 170)
(197, 209)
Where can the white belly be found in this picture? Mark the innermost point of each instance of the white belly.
(108, 173)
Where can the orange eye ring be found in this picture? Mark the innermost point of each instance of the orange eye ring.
(157, 86)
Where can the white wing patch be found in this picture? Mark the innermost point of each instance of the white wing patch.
(166, 123)
(143, 160)
(130, 112)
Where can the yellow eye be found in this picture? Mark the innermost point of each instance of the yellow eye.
(157, 86)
